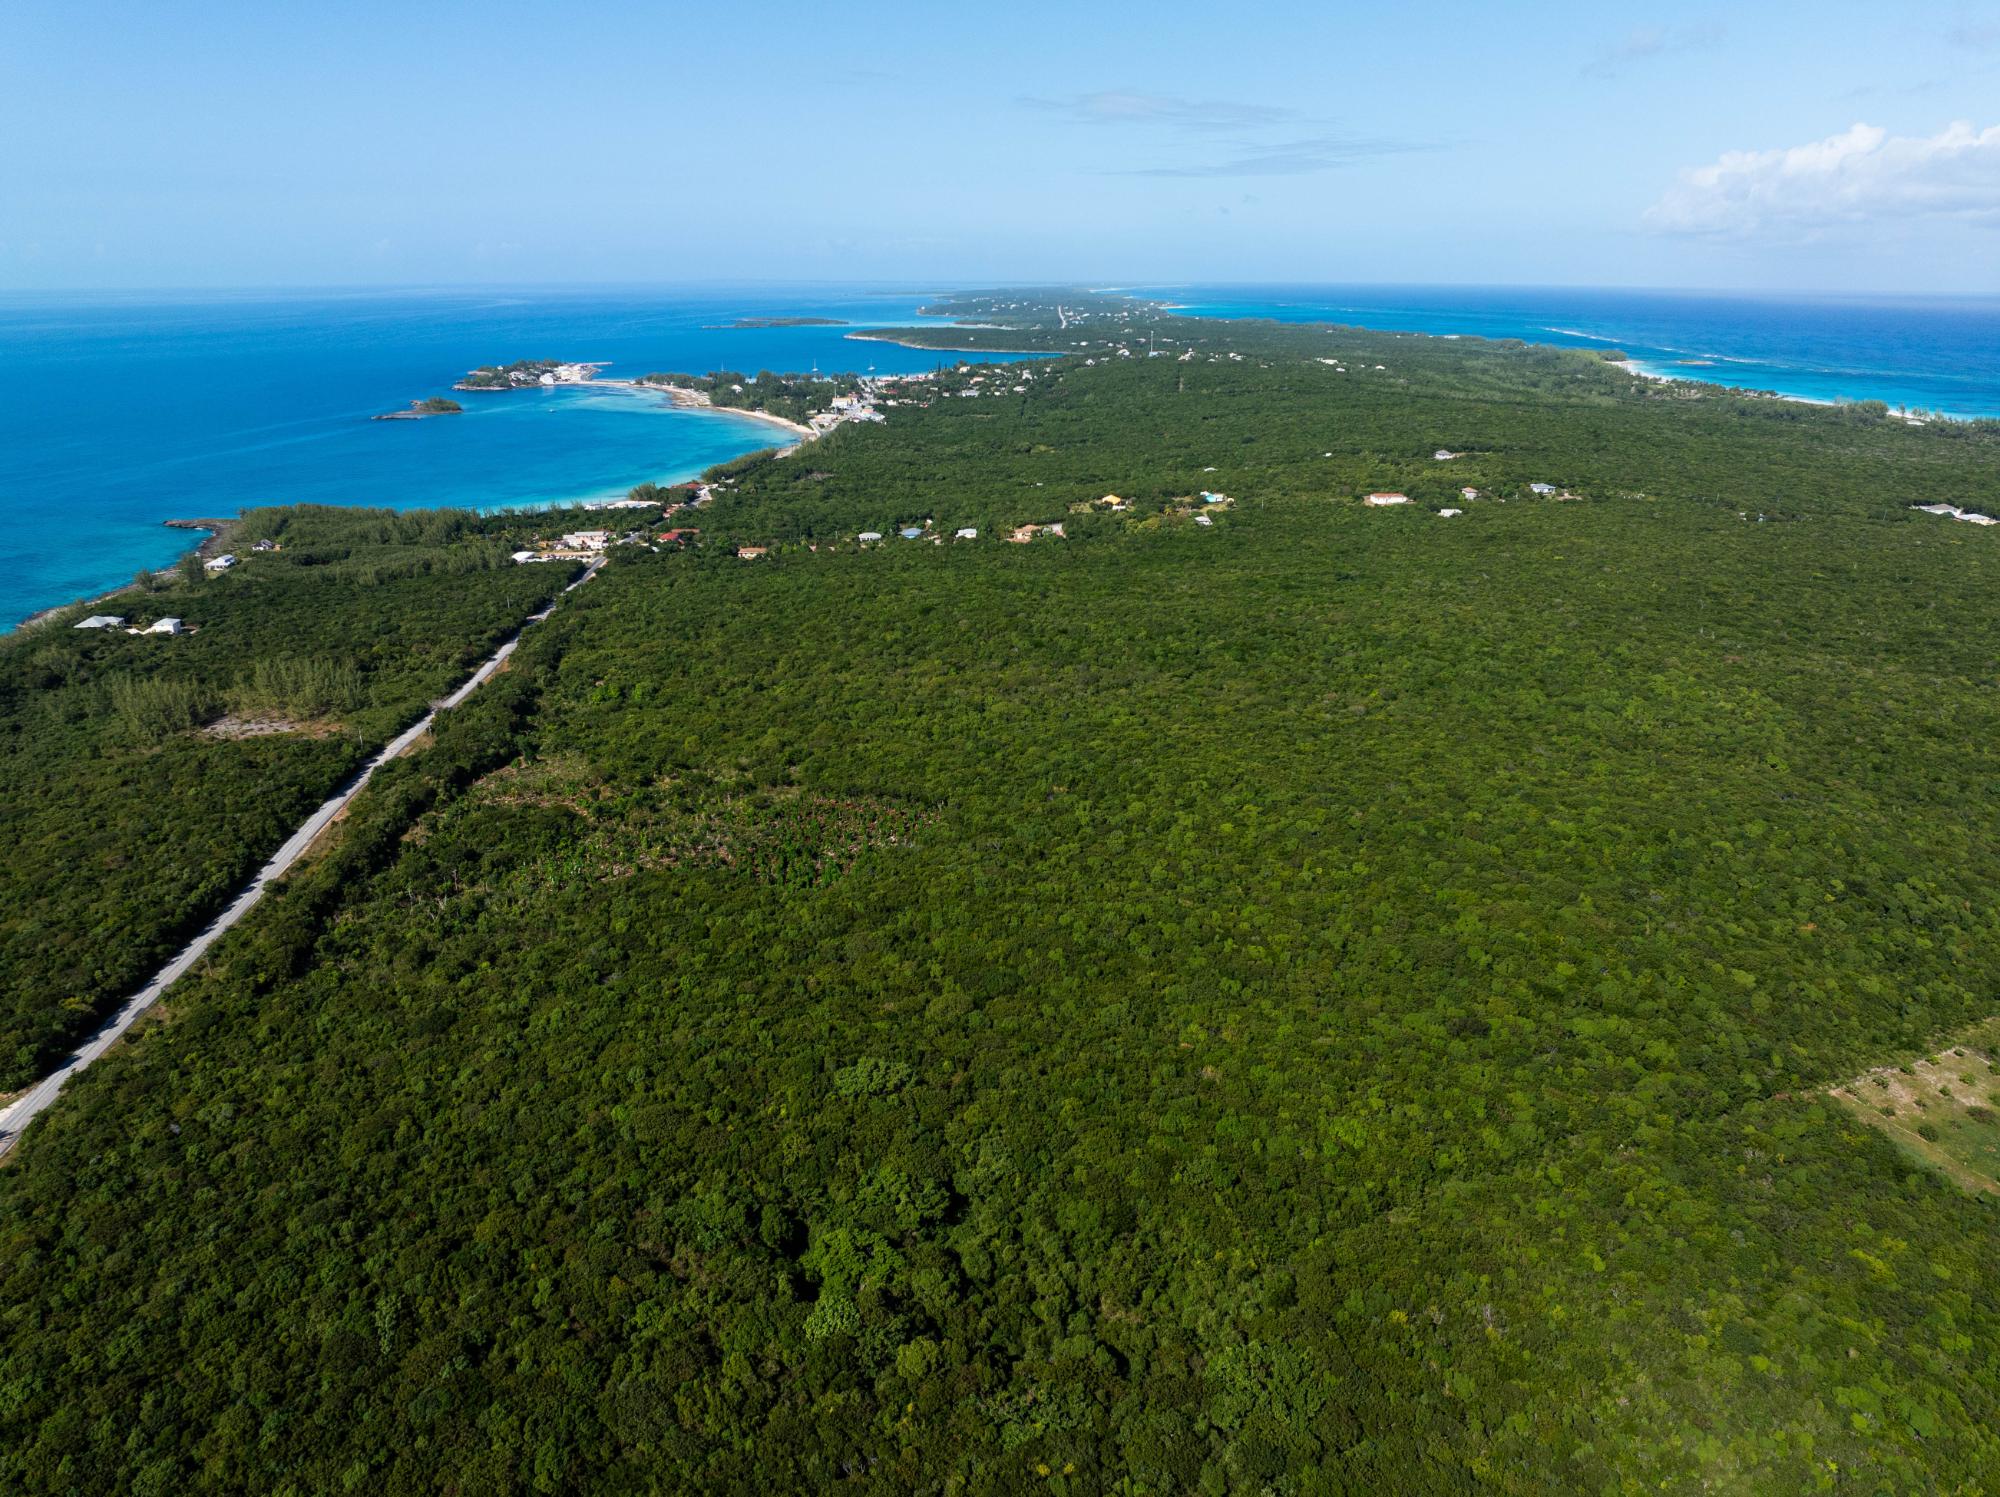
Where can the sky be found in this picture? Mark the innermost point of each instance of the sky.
(1790, 146)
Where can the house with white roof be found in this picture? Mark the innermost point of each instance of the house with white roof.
(100, 621)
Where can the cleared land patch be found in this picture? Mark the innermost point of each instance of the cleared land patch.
(234, 726)
(1944, 1109)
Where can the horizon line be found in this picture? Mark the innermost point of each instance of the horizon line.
(905, 286)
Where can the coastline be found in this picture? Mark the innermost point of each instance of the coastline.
(211, 544)
(1707, 369)
(1639, 371)
(216, 529)
(74, 535)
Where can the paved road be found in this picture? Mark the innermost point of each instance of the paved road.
(31, 1103)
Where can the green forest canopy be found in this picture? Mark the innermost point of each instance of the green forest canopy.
(1338, 998)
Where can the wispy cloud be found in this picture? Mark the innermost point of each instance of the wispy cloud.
(1973, 36)
(1648, 43)
(1126, 107)
(1290, 158)
(1219, 137)
(1861, 177)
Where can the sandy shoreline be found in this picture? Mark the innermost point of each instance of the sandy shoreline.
(942, 352)
(695, 400)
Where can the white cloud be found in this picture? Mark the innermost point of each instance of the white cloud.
(1861, 177)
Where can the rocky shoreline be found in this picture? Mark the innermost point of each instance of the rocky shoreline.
(211, 544)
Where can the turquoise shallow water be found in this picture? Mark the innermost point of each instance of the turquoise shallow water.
(1931, 353)
(123, 412)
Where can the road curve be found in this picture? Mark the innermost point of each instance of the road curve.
(31, 1103)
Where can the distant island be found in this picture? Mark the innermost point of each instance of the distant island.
(756, 322)
(524, 374)
(436, 405)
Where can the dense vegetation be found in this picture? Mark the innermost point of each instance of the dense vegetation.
(416, 410)
(1338, 999)
(142, 780)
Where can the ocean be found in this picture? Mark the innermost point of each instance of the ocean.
(1937, 354)
(125, 411)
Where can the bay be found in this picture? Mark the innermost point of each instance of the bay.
(125, 411)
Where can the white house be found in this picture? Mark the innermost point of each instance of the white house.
(219, 563)
(1446, 514)
(164, 626)
(586, 540)
(1468, 493)
(1444, 454)
(1543, 488)
(101, 621)
(1203, 520)
(967, 534)
(1381, 500)
(1930, 509)
(869, 535)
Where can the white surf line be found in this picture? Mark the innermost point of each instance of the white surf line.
(25, 1108)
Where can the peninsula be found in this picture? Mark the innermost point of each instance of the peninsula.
(524, 374)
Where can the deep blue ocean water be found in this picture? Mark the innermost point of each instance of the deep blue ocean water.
(125, 411)
(121, 412)
(1938, 354)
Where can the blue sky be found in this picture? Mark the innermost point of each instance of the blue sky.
(1832, 145)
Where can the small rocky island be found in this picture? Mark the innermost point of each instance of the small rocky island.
(525, 374)
(436, 405)
(757, 322)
